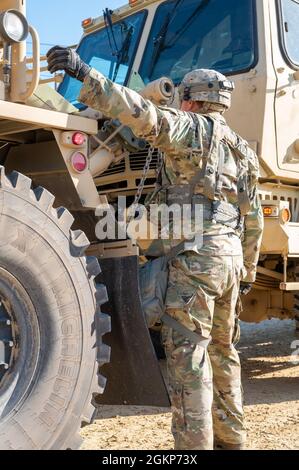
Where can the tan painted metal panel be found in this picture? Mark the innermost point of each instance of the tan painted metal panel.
(83, 182)
(44, 118)
(289, 286)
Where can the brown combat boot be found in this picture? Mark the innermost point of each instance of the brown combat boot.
(224, 446)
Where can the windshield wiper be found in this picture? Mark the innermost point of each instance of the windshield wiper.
(190, 20)
(159, 40)
(122, 55)
(107, 14)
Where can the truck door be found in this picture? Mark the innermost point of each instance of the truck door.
(285, 21)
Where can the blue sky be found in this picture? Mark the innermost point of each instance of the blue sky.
(59, 21)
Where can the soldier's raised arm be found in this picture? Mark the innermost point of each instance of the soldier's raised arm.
(162, 128)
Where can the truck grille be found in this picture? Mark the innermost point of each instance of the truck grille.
(124, 178)
(137, 160)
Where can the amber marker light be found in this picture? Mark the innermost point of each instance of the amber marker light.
(270, 211)
(87, 22)
(132, 3)
(285, 215)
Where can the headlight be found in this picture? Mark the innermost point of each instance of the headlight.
(13, 26)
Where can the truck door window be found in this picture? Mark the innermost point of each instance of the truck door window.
(113, 58)
(289, 26)
(191, 34)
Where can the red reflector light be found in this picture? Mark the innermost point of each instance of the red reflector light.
(78, 138)
(79, 162)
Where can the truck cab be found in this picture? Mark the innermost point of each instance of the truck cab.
(255, 44)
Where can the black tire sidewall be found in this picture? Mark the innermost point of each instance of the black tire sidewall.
(37, 252)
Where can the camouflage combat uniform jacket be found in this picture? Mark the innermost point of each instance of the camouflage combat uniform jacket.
(186, 142)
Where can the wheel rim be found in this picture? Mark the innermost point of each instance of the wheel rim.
(8, 350)
(19, 344)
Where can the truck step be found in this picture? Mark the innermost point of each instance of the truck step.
(289, 286)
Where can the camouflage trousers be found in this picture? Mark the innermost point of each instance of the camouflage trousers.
(205, 385)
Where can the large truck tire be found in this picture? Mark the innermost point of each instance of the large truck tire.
(296, 303)
(51, 325)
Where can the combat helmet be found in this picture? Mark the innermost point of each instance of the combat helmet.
(207, 86)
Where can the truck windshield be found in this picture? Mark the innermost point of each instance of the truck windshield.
(110, 51)
(192, 34)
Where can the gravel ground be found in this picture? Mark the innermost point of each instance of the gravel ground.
(271, 389)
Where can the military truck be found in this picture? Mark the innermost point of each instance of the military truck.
(60, 162)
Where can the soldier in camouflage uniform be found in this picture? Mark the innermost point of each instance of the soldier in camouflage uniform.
(207, 162)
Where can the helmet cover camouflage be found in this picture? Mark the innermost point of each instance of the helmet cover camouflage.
(207, 86)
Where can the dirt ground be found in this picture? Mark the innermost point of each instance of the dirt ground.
(271, 389)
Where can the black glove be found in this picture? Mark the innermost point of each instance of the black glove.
(65, 58)
(245, 288)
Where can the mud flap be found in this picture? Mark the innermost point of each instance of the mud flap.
(134, 376)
